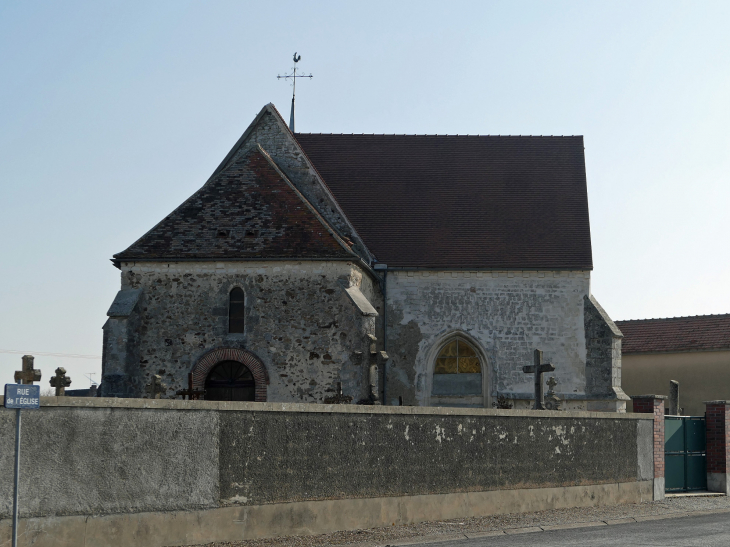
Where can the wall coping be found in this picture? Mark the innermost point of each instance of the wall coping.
(177, 404)
(716, 402)
(649, 397)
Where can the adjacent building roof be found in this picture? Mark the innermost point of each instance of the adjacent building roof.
(248, 210)
(696, 333)
(461, 201)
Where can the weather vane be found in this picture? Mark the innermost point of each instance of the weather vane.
(294, 77)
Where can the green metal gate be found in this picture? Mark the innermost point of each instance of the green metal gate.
(685, 459)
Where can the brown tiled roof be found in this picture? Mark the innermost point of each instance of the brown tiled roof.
(700, 332)
(248, 210)
(461, 201)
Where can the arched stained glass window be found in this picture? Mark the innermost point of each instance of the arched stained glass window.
(457, 357)
(236, 310)
(457, 372)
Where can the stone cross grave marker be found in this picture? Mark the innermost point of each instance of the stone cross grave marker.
(538, 369)
(156, 388)
(190, 393)
(60, 381)
(338, 398)
(28, 375)
(551, 383)
(552, 401)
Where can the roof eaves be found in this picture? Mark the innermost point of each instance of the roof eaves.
(678, 350)
(680, 318)
(119, 256)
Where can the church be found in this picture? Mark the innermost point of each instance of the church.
(379, 269)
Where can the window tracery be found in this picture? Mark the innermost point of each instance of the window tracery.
(457, 357)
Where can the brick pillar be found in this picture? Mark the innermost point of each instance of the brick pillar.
(718, 445)
(654, 404)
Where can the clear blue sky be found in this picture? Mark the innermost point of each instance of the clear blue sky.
(112, 113)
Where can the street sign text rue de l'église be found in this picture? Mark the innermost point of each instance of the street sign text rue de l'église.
(22, 396)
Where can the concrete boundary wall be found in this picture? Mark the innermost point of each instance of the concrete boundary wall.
(306, 518)
(163, 472)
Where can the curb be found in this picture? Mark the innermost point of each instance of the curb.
(404, 542)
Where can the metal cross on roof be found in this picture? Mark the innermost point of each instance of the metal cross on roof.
(28, 375)
(294, 77)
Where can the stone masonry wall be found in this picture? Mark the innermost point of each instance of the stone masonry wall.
(299, 321)
(506, 315)
(603, 359)
(106, 456)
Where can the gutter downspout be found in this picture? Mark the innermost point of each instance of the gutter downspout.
(384, 290)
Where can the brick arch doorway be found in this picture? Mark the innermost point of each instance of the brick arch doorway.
(213, 358)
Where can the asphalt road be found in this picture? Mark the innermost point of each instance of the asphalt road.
(705, 530)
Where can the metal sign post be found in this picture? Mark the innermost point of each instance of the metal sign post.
(19, 396)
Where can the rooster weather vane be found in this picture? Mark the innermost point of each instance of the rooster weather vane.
(294, 77)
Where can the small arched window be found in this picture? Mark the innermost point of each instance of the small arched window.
(457, 371)
(236, 310)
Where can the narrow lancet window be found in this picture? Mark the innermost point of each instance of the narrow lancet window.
(236, 310)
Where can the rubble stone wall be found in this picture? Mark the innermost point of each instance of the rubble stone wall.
(299, 322)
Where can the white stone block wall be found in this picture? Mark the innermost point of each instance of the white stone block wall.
(506, 315)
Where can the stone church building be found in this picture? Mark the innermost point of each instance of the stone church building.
(413, 269)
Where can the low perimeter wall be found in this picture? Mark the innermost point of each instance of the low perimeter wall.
(117, 472)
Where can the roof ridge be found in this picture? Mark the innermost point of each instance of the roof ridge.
(674, 318)
(436, 135)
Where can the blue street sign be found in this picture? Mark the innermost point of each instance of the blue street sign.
(22, 396)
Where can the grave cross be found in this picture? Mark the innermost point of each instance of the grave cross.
(551, 383)
(538, 369)
(155, 387)
(28, 375)
(338, 398)
(552, 401)
(60, 381)
(190, 393)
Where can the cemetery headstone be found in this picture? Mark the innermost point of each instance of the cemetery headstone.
(28, 374)
(338, 398)
(156, 388)
(60, 381)
(538, 369)
(190, 392)
(552, 401)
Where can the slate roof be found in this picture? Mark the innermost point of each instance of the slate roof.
(700, 332)
(461, 201)
(248, 210)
